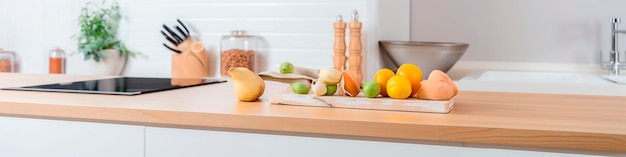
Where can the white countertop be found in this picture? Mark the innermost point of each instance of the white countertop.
(521, 119)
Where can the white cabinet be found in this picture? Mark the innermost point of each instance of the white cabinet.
(24, 137)
(167, 142)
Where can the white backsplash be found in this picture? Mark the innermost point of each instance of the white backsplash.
(299, 31)
(550, 31)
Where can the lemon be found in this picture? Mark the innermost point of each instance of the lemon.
(413, 73)
(398, 87)
(381, 77)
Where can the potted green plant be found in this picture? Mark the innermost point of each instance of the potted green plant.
(97, 39)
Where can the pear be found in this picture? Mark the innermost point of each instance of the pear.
(248, 85)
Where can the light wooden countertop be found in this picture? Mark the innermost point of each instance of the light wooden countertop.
(543, 120)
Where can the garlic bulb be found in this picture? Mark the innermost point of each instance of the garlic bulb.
(329, 76)
(319, 88)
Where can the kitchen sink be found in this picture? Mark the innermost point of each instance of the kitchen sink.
(537, 77)
(616, 79)
(543, 82)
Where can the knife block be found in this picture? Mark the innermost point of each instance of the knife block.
(190, 64)
(187, 70)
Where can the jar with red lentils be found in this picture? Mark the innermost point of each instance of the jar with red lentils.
(7, 61)
(237, 50)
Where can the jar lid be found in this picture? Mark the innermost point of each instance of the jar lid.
(57, 49)
(239, 33)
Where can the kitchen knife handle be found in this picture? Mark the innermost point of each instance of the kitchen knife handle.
(173, 34)
(185, 27)
(169, 39)
(177, 51)
(181, 31)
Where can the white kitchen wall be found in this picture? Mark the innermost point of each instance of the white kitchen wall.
(557, 31)
(299, 31)
(546, 31)
(3, 23)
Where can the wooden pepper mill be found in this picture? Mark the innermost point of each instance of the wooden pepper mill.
(354, 57)
(339, 59)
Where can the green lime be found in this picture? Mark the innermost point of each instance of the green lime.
(286, 68)
(331, 89)
(300, 88)
(371, 89)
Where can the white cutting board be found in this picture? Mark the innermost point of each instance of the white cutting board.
(362, 102)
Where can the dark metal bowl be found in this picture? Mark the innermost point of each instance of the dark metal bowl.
(427, 55)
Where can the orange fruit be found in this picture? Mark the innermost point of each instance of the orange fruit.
(413, 73)
(399, 87)
(381, 78)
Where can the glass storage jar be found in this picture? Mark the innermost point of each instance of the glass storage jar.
(7, 61)
(237, 50)
(56, 60)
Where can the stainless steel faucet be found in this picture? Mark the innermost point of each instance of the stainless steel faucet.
(614, 64)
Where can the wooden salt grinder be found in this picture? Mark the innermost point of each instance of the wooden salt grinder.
(354, 58)
(339, 59)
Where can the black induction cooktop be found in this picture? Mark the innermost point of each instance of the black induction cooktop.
(120, 86)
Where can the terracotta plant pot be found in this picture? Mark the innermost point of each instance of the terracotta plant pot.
(112, 65)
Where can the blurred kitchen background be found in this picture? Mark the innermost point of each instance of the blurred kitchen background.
(541, 34)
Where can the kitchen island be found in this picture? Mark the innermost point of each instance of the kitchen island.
(530, 121)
